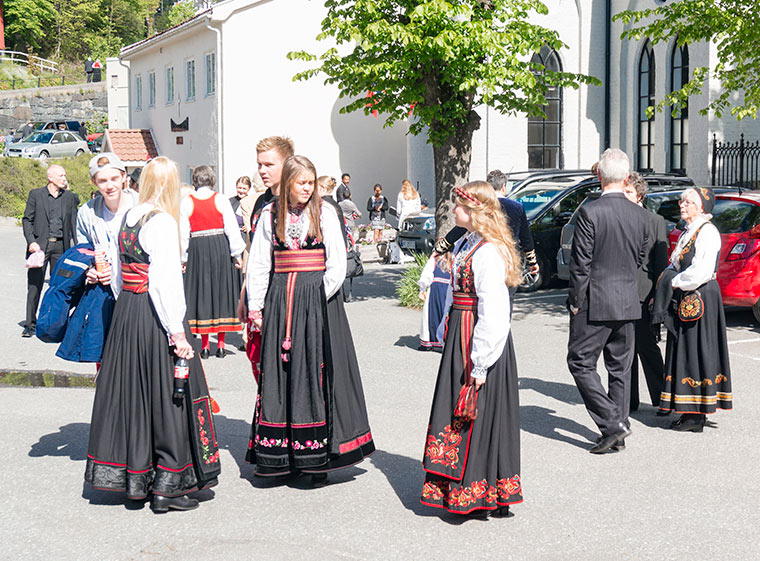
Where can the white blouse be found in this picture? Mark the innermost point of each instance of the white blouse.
(406, 207)
(260, 259)
(493, 324)
(231, 228)
(706, 251)
(159, 237)
(427, 275)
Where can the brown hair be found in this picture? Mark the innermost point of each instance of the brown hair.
(204, 176)
(292, 169)
(637, 181)
(280, 144)
(245, 180)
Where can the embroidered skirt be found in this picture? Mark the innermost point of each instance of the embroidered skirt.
(212, 286)
(697, 369)
(473, 465)
(289, 430)
(141, 440)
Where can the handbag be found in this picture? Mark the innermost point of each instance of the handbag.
(354, 266)
(691, 306)
(467, 404)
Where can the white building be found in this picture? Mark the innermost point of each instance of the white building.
(211, 87)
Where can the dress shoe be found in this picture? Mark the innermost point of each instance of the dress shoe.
(502, 512)
(205, 353)
(606, 443)
(663, 412)
(221, 353)
(242, 347)
(28, 331)
(620, 445)
(163, 504)
(689, 423)
(319, 480)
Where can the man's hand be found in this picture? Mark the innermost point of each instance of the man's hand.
(33, 247)
(534, 269)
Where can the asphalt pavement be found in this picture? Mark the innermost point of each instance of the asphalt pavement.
(667, 496)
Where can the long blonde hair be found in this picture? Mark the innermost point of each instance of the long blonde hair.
(488, 220)
(159, 184)
(408, 191)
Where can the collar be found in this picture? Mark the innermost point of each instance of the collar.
(698, 221)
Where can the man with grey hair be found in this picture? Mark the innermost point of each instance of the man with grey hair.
(609, 245)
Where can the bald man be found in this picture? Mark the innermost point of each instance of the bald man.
(49, 225)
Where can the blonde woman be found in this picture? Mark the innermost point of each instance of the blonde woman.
(408, 201)
(474, 465)
(142, 439)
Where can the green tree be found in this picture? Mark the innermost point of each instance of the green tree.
(734, 26)
(438, 60)
(28, 23)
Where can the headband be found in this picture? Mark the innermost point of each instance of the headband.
(462, 194)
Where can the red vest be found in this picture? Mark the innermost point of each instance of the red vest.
(205, 215)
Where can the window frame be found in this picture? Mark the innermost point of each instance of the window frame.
(170, 85)
(644, 101)
(678, 151)
(152, 88)
(190, 89)
(210, 67)
(545, 57)
(138, 92)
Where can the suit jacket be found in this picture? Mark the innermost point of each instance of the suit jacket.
(656, 259)
(35, 220)
(610, 243)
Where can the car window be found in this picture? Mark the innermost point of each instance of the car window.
(535, 199)
(666, 205)
(66, 137)
(732, 217)
(73, 125)
(41, 137)
(58, 138)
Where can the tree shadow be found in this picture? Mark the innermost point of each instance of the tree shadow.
(70, 440)
(377, 282)
(543, 422)
(567, 393)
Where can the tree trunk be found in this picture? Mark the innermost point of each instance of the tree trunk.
(452, 169)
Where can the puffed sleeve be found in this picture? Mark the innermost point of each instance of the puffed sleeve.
(426, 276)
(492, 326)
(260, 262)
(335, 251)
(231, 228)
(702, 268)
(185, 210)
(160, 239)
(83, 230)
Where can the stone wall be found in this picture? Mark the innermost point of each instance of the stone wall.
(80, 102)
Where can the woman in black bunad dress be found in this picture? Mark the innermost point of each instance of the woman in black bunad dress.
(475, 465)
(212, 248)
(310, 414)
(143, 440)
(688, 301)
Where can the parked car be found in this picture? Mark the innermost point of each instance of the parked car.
(46, 144)
(95, 142)
(737, 217)
(664, 193)
(417, 233)
(519, 179)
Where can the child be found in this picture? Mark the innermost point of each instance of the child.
(433, 283)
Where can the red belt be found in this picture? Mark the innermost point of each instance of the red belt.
(292, 262)
(468, 303)
(465, 301)
(134, 277)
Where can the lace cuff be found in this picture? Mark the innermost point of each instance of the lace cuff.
(479, 373)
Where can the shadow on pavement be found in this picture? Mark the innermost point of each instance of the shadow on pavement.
(408, 341)
(233, 436)
(543, 422)
(741, 317)
(567, 393)
(376, 283)
(70, 440)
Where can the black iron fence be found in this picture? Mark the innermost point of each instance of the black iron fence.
(42, 81)
(736, 163)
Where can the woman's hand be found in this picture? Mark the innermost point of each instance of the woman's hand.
(477, 382)
(238, 263)
(421, 295)
(242, 308)
(182, 348)
(256, 318)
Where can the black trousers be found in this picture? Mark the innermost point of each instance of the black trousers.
(648, 353)
(35, 278)
(589, 339)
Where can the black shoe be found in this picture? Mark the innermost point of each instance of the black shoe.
(221, 353)
(205, 353)
(663, 412)
(319, 480)
(619, 446)
(608, 442)
(241, 347)
(163, 504)
(424, 348)
(28, 331)
(689, 423)
(502, 512)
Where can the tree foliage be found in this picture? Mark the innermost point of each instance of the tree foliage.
(734, 26)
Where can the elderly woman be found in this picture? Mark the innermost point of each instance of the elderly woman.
(697, 371)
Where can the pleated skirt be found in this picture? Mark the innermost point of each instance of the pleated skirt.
(697, 368)
(473, 465)
(141, 439)
(212, 286)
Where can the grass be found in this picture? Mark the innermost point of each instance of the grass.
(20, 73)
(18, 176)
(407, 288)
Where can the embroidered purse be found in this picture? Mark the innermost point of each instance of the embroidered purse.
(691, 307)
(467, 404)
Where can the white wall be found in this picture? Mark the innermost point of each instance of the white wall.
(117, 86)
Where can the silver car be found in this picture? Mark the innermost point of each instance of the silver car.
(46, 144)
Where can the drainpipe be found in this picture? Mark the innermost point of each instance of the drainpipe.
(607, 48)
(219, 119)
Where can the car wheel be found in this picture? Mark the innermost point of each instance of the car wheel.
(531, 282)
(756, 311)
(44, 155)
(79, 153)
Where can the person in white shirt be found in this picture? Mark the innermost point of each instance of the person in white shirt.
(212, 249)
(408, 202)
(472, 461)
(143, 441)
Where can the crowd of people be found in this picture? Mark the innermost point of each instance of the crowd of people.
(185, 263)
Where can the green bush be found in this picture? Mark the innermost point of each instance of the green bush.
(407, 288)
(18, 176)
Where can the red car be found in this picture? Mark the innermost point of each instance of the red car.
(737, 217)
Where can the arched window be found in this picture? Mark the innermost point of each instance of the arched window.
(545, 134)
(679, 125)
(646, 99)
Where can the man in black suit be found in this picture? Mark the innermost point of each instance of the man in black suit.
(609, 246)
(343, 192)
(654, 264)
(49, 225)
